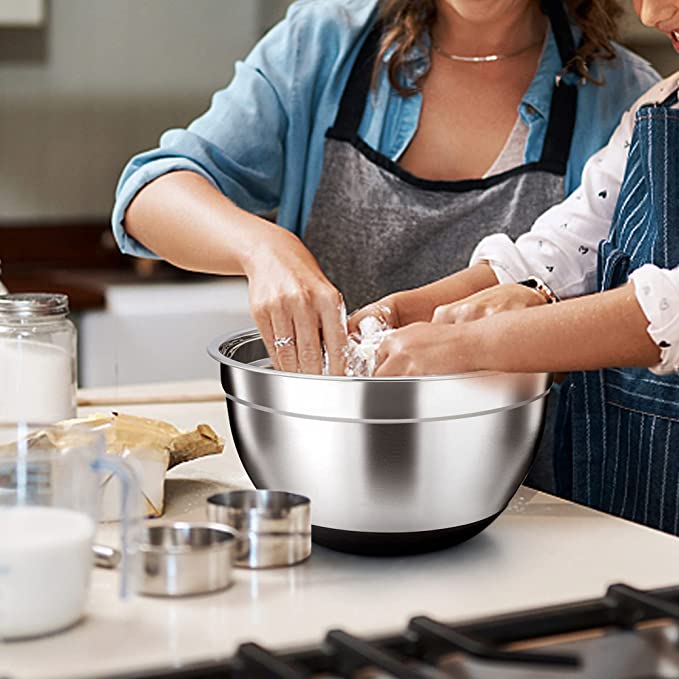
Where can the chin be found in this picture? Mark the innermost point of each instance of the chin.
(483, 11)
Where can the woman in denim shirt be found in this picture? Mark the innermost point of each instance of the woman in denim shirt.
(481, 116)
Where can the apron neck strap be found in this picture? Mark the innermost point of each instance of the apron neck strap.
(562, 111)
(671, 99)
(556, 148)
(561, 28)
(352, 104)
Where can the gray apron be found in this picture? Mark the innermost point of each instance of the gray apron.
(376, 229)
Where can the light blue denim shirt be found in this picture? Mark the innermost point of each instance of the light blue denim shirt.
(261, 141)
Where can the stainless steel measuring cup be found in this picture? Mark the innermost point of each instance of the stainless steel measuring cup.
(273, 526)
(178, 558)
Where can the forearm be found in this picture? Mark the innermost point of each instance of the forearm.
(601, 330)
(186, 221)
(419, 304)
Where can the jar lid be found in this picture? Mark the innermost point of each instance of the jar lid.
(37, 304)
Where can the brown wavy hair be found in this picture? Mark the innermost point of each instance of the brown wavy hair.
(406, 23)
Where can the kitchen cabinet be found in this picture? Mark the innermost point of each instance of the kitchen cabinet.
(154, 332)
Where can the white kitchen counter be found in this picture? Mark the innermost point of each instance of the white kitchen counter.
(540, 551)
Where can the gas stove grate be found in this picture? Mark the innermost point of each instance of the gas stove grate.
(414, 654)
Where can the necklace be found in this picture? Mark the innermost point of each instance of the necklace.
(484, 59)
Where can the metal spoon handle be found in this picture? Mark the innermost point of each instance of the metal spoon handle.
(105, 557)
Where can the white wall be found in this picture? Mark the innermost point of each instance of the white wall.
(101, 81)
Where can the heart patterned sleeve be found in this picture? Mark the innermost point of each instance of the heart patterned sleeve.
(657, 291)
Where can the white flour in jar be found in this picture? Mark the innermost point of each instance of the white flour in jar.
(36, 382)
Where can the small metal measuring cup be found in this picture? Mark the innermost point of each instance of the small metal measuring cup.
(184, 558)
(179, 558)
(274, 526)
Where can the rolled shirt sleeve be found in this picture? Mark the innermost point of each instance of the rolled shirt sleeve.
(237, 145)
(657, 291)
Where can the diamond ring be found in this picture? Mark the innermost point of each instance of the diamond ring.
(280, 342)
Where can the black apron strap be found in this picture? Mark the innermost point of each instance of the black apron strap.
(557, 146)
(558, 18)
(357, 90)
(671, 99)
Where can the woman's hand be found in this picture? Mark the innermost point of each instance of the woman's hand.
(419, 304)
(495, 300)
(428, 349)
(295, 306)
(586, 333)
(292, 301)
(385, 309)
(398, 309)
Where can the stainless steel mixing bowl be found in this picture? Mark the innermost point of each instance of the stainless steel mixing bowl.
(392, 465)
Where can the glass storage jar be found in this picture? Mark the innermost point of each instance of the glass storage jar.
(37, 358)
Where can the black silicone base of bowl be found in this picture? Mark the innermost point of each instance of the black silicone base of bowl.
(396, 544)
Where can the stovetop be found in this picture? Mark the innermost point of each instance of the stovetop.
(643, 654)
(626, 634)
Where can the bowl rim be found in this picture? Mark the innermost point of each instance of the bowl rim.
(249, 334)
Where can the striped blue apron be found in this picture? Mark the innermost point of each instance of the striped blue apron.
(618, 429)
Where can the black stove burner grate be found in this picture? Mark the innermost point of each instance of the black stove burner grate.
(415, 652)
